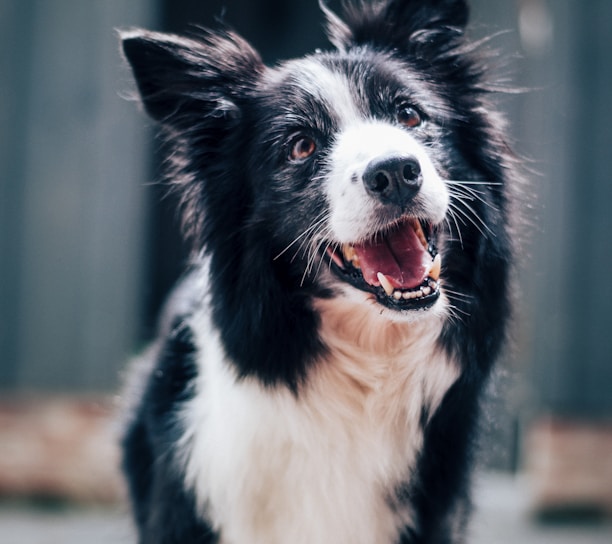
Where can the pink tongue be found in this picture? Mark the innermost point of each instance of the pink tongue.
(400, 256)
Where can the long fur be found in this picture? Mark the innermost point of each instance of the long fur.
(285, 401)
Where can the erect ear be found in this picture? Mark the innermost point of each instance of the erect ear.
(396, 24)
(179, 76)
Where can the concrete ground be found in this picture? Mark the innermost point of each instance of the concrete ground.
(502, 518)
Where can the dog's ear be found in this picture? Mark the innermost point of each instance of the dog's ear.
(177, 77)
(397, 24)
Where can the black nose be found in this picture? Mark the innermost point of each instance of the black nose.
(394, 180)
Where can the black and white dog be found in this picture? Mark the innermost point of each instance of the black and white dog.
(318, 372)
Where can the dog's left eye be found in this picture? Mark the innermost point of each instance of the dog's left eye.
(302, 147)
(409, 116)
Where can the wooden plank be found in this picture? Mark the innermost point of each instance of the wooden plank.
(572, 337)
(81, 155)
(570, 467)
(59, 448)
(14, 53)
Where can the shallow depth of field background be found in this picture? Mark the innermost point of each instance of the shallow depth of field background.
(89, 246)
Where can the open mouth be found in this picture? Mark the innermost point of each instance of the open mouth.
(400, 267)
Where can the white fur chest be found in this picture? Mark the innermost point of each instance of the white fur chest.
(270, 467)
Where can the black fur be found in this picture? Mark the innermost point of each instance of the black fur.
(243, 205)
(163, 508)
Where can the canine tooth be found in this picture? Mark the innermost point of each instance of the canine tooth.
(418, 229)
(436, 267)
(385, 283)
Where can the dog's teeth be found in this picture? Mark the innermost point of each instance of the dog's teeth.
(426, 291)
(348, 251)
(397, 295)
(436, 267)
(385, 283)
(410, 295)
(418, 229)
(350, 255)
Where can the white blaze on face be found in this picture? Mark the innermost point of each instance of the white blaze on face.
(353, 210)
(360, 140)
(330, 88)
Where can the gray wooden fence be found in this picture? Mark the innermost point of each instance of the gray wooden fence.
(566, 126)
(73, 167)
(73, 164)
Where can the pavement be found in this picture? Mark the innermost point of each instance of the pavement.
(20, 525)
(502, 517)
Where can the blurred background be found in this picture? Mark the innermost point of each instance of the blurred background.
(89, 246)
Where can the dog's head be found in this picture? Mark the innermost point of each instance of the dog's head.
(371, 171)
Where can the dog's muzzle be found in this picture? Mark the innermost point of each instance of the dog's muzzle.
(393, 180)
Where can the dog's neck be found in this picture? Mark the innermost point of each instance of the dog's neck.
(387, 365)
(375, 333)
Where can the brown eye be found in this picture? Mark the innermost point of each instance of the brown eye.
(302, 148)
(409, 116)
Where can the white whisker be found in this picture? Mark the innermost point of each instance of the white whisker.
(459, 296)
(471, 194)
(454, 218)
(320, 240)
(469, 218)
(467, 182)
(454, 311)
(321, 260)
(318, 220)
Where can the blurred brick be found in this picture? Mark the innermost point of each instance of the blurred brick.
(570, 465)
(63, 448)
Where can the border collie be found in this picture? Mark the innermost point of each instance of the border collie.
(317, 375)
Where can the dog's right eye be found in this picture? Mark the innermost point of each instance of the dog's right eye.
(302, 147)
(409, 116)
